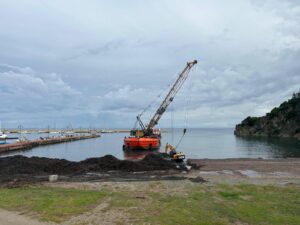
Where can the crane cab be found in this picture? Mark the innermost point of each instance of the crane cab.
(137, 133)
(144, 133)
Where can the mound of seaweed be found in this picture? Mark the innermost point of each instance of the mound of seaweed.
(41, 165)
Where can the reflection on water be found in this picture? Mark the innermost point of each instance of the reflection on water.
(136, 154)
(198, 143)
(277, 147)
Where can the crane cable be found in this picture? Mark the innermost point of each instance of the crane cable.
(151, 103)
(172, 125)
(154, 100)
(188, 101)
(157, 97)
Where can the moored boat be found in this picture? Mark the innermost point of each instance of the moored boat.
(142, 143)
(2, 138)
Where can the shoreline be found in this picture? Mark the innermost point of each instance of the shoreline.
(216, 184)
(230, 170)
(258, 164)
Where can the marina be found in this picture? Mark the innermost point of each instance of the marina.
(29, 144)
(198, 143)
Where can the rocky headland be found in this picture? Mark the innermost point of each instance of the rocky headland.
(282, 121)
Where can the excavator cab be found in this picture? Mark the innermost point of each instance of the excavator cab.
(173, 154)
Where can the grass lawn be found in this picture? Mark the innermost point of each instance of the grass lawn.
(223, 204)
(198, 204)
(50, 204)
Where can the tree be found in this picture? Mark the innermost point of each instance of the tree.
(296, 95)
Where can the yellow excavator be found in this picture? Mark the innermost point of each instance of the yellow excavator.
(173, 154)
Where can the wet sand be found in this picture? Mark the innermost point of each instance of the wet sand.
(290, 165)
(246, 170)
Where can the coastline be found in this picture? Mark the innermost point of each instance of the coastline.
(218, 188)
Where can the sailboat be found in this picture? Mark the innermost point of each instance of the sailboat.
(2, 136)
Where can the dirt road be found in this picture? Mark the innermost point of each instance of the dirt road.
(12, 218)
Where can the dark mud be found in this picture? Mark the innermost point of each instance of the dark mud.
(36, 165)
(21, 168)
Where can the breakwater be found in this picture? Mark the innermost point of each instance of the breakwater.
(24, 145)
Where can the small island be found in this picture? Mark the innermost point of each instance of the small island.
(282, 121)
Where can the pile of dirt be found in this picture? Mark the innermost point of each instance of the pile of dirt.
(41, 166)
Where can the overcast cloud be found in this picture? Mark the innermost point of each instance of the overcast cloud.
(100, 63)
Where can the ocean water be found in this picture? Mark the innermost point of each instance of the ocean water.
(197, 143)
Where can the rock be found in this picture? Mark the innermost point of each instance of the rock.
(53, 178)
(197, 179)
(282, 121)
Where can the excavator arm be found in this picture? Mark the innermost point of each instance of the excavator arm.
(170, 96)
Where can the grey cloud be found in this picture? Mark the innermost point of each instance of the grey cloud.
(109, 46)
(28, 93)
(103, 62)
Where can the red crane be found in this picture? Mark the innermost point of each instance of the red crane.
(148, 138)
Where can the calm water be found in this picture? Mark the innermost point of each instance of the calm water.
(198, 143)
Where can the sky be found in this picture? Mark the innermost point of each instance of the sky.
(100, 63)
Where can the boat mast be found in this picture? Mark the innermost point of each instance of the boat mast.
(170, 96)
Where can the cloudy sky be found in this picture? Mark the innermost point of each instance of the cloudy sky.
(100, 63)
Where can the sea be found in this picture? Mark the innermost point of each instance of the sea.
(216, 143)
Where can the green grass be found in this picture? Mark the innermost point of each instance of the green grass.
(228, 205)
(198, 204)
(50, 204)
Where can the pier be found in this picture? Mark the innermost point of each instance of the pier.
(61, 131)
(21, 146)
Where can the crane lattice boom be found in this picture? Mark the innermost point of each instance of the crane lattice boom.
(170, 96)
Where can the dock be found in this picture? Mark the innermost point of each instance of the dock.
(60, 131)
(25, 145)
